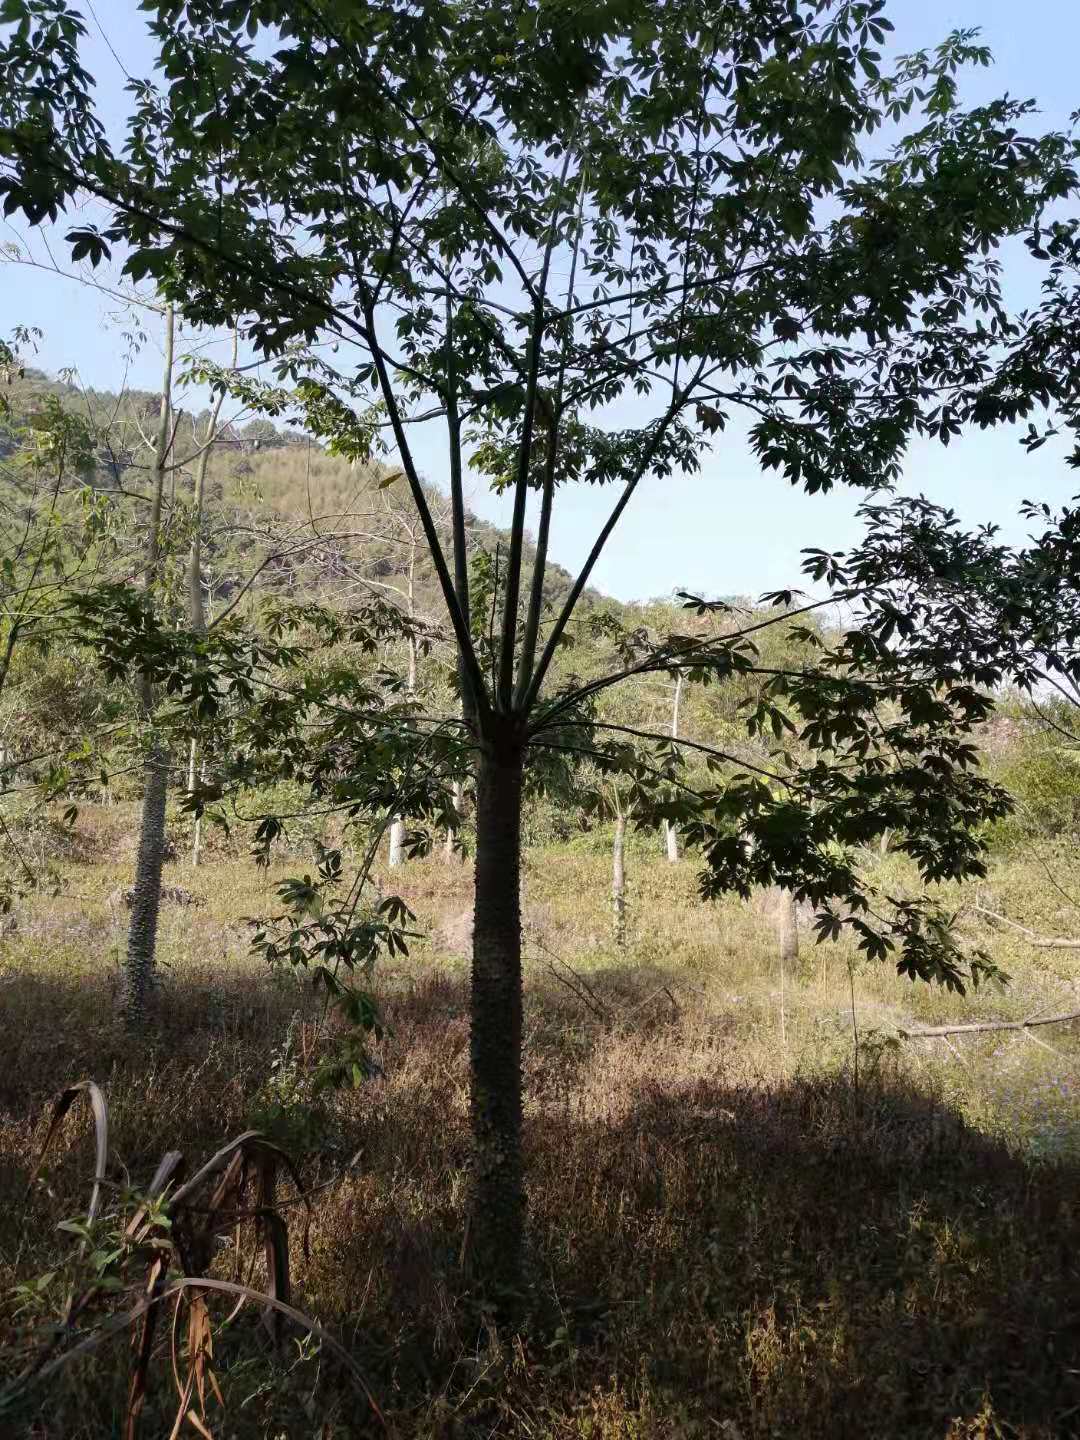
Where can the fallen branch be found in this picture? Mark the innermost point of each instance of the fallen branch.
(978, 1027)
(578, 986)
(1041, 942)
(581, 995)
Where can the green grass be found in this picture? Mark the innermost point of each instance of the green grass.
(727, 1238)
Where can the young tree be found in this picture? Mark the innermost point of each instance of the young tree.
(671, 835)
(579, 258)
(196, 600)
(146, 891)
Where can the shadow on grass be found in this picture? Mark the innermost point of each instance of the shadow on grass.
(706, 1250)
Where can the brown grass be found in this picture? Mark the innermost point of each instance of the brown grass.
(726, 1239)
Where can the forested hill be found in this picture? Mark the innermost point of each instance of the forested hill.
(275, 497)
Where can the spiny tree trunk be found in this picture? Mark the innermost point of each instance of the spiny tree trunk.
(672, 835)
(496, 1228)
(146, 894)
(618, 881)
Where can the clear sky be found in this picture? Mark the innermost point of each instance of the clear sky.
(729, 529)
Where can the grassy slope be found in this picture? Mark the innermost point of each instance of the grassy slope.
(728, 1239)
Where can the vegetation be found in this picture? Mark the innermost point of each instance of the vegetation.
(770, 1188)
(725, 1230)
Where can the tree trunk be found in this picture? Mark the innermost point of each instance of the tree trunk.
(671, 835)
(450, 846)
(146, 896)
(787, 926)
(497, 1223)
(397, 827)
(618, 881)
(196, 834)
(196, 605)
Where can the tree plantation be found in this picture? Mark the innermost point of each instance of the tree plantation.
(443, 998)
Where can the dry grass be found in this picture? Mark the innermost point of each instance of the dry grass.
(726, 1238)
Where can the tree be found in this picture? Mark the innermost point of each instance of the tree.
(146, 891)
(671, 835)
(580, 259)
(163, 462)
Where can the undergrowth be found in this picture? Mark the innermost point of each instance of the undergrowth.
(729, 1236)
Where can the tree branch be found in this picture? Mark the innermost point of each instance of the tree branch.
(536, 598)
(457, 619)
(1040, 942)
(981, 1027)
(508, 638)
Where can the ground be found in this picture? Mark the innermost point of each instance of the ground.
(733, 1232)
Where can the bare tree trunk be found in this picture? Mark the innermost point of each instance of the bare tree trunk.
(196, 834)
(671, 834)
(618, 881)
(397, 827)
(497, 1223)
(787, 925)
(196, 606)
(146, 894)
(450, 849)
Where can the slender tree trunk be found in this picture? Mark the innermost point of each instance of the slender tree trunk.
(397, 827)
(787, 926)
(670, 833)
(449, 847)
(196, 606)
(618, 881)
(497, 1223)
(146, 893)
(196, 834)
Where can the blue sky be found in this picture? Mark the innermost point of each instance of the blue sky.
(730, 529)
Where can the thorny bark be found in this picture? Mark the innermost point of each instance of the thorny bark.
(146, 896)
(496, 1227)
